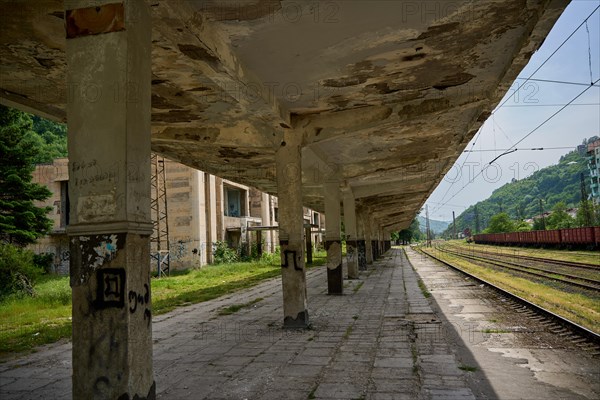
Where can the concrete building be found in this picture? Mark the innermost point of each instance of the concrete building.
(202, 209)
(593, 156)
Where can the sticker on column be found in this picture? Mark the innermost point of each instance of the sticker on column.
(334, 254)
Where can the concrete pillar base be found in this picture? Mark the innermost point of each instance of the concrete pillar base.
(300, 322)
(111, 316)
(362, 256)
(335, 279)
(352, 257)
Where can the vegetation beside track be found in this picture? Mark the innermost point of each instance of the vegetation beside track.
(27, 322)
(581, 308)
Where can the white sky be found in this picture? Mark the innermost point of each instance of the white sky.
(522, 113)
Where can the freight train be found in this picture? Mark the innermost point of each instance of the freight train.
(570, 238)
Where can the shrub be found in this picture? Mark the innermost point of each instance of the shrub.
(224, 254)
(18, 272)
(44, 261)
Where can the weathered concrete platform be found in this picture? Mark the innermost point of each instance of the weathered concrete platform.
(381, 340)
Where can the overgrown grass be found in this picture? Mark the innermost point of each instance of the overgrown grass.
(584, 256)
(27, 322)
(423, 288)
(237, 307)
(357, 287)
(495, 331)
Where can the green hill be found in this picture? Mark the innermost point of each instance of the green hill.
(436, 227)
(521, 198)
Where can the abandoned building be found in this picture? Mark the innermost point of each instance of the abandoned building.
(197, 210)
(353, 108)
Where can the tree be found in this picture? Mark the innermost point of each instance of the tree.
(501, 223)
(522, 226)
(559, 218)
(21, 222)
(412, 233)
(586, 214)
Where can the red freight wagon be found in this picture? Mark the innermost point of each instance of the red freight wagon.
(528, 237)
(577, 235)
(512, 237)
(549, 237)
(597, 236)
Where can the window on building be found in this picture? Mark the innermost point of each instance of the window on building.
(235, 202)
(276, 214)
(315, 218)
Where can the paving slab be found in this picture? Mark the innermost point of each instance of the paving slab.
(384, 340)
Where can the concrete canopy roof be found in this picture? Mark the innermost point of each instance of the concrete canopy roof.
(386, 94)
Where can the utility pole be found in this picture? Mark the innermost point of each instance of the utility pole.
(454, 226)
(427, 226)
(586, 207)
(542, 214)
(476, 220)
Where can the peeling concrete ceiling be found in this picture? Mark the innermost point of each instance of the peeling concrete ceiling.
(385, 93)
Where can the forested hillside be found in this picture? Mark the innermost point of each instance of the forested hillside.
(435, 226)
(48, 137)
(521, 199)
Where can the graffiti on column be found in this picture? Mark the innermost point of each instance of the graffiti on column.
(350, 253)
(286, 264)
(142, 300)
(110, 291)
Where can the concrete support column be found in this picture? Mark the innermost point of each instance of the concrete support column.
(360, 243)
(351, 235)
(309, 245)
(291, 229)
(265, 215)
(333, 243)
(388, 241)
(108, 51)
(374, 240)
(259, 248)
(369, 251)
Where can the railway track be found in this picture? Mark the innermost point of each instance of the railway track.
(556, 275)
(557, 324)
(571, 264)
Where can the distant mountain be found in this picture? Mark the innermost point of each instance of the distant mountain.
(521, 198)
(436, 226)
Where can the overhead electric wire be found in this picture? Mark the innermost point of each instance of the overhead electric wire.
(548, 119)
(548, 58)
(509, 97)
(531, 149)
(560, 82)
(552, 105)
(520, 140)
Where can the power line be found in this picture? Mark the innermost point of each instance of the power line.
(560, 82)
(507, 99)
(548, 58)
(552, 105)
(523, 138)
(532, 149)
(549, 118)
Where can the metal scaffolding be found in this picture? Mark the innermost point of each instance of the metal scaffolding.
(159, 241)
